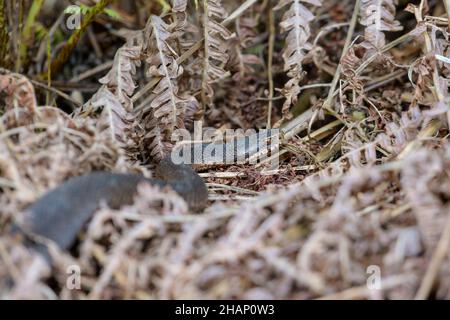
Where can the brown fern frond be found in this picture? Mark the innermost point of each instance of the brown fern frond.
(162, 61)
(113, 100)
(179, 9)
(167, 108)
(155, 140)
(18, 90)
(114, 117)
(296, 23)
(179, 6)
(349, 63)
(215, 47)
(120, 79)
(241, 62)
(393, 139)
(424, 180)
(378, 16)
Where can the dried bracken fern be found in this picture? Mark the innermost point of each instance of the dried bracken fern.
(296, 22)
(278, 237)
(215, 48)
(120, 79)
(166, 105)
(378, 16)
(166, 110)
(349, 63)
(113, 99)
(367, 186)
(42, 152)
(425, 182)
(390, 142)
(239, 103)
(114, 121)
(179, 9)
(19, 91)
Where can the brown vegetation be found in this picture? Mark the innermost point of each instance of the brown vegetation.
(359, 89)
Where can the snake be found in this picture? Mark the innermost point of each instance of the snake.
(60, 214)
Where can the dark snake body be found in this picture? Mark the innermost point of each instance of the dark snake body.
(61, 213)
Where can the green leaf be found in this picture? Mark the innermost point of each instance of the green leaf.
(113, 13)
(85, 9)
(72, 10)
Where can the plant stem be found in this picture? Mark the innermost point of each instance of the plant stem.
(348, 42)
(270, 66)
(65, 52)
(28, 29)
(4, 38)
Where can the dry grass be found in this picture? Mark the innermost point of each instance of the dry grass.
(364, 177)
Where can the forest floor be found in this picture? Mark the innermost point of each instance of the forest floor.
(358, 206)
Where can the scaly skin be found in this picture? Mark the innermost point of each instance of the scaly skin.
(60, 214)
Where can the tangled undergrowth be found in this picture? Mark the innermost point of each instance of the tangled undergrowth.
(359, 89)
